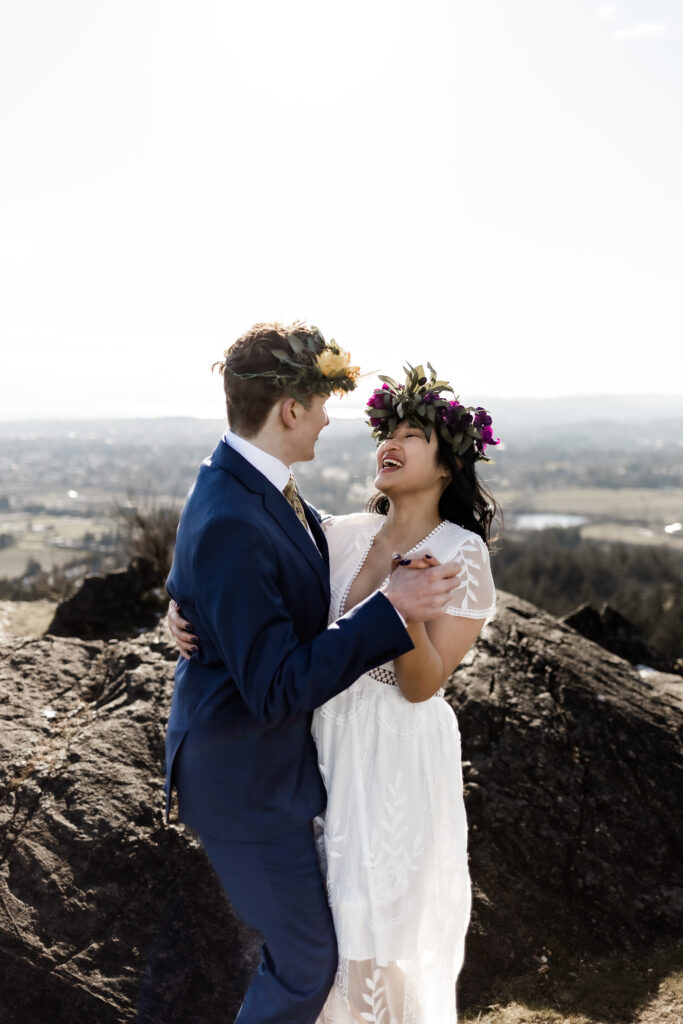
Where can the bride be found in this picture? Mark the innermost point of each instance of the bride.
(393, 841)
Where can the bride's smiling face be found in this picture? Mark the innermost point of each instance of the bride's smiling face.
(407, 462)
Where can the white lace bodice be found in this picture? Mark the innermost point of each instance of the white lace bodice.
(350, 538)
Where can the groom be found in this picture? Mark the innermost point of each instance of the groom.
(251, 574)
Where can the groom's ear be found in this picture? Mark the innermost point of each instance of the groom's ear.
(288, 412)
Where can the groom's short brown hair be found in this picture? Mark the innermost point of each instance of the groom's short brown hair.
(249, 400)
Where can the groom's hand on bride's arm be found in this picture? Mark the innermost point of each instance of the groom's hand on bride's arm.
(421, 596)
(181, 630)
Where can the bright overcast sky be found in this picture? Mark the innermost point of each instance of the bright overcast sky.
(494, 186)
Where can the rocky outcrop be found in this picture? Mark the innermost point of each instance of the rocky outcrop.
(106, 914)
(121, 603)
(617, 634)
(573, 783)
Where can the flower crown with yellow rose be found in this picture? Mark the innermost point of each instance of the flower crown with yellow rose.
(466, 428)
(312, 366)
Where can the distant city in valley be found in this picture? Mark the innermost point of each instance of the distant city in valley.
(601, 471)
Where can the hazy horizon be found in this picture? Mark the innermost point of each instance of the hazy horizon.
(662, 413)
(356, 403)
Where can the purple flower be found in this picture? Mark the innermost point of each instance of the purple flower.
(487, 434)
(376, 421)
(376, 400)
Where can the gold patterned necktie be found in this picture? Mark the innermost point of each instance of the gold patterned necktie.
(292, 495)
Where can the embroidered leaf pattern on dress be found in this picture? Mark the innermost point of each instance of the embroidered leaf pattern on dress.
(469, 564)
(375, 998)
(392, 855)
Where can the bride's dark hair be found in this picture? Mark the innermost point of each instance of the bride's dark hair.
(465, 501)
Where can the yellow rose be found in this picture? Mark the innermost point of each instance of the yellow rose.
(332, 363)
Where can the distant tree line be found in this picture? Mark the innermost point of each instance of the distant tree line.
(558, 570)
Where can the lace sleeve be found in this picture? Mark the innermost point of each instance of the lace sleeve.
(475, 595)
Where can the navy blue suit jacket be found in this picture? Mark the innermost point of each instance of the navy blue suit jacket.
(256, 590)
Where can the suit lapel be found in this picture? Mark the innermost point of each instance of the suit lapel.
(318, 532)
(287, 519)
(281, 511)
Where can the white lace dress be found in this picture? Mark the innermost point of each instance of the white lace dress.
(393, 842)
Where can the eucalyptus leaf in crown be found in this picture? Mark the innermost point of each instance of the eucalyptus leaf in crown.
(467, 429)
(311, 366)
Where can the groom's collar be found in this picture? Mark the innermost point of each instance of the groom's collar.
(314, 550)
(275, 471)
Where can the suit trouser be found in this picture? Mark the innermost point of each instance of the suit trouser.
(275, 886)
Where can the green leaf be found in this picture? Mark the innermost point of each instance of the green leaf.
(431, 413)
(389, 380)
(297, 344)
(399, 410)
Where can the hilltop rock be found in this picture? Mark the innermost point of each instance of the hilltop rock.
(106, 914)
(617, 634)
(121, 603)
(573, 786)
(670, 684)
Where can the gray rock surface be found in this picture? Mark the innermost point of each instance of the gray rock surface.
(574, 791)
(106, 914)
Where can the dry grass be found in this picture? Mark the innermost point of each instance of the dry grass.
(627, 533)
(610, 992)
(623, 504)
(25, 618)
(148, 531)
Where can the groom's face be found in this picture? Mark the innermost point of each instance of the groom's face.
(310, 421)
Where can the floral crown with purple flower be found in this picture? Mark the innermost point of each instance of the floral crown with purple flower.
(467, 428)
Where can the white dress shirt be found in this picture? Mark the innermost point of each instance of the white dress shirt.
(275, 471)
